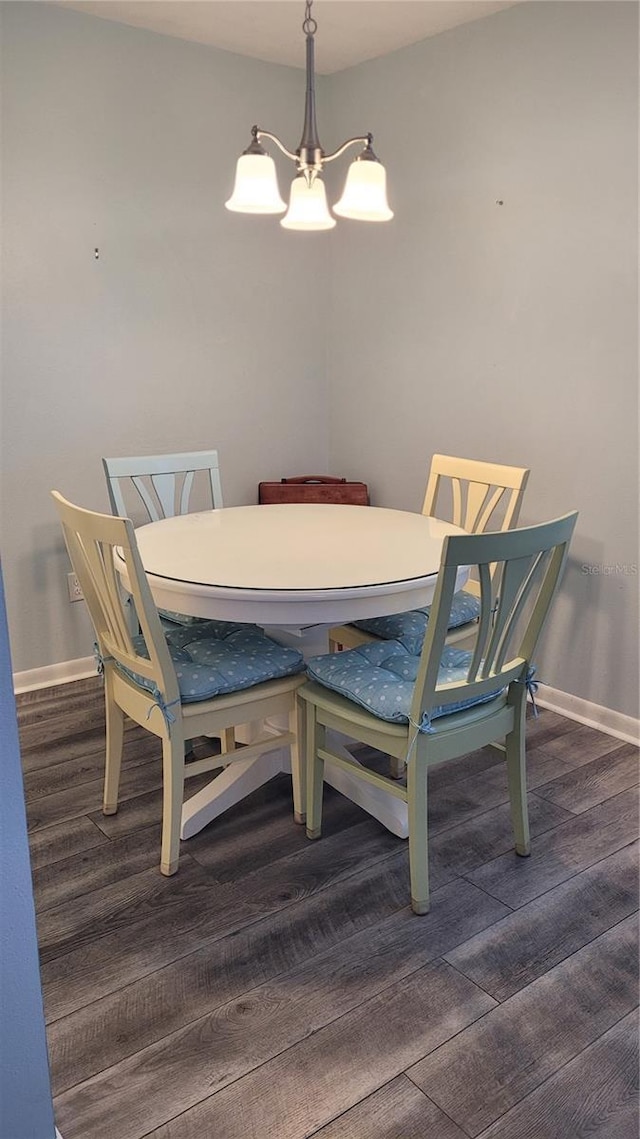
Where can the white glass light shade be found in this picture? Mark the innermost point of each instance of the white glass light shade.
(256, 186)
(307, 206)
(365, 193)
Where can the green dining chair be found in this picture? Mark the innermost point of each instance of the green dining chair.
(443, 702)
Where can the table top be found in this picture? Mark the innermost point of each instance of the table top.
(293, 563)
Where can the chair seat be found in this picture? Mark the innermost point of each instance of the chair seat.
(212, 658)
(410, 627)
(381, 678)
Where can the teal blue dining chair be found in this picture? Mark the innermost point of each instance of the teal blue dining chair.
(147, 488)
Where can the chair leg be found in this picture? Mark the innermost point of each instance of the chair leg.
(172, 798)
(298, 762)
(227, 740)
(396, 767)
(115, 740)
(418, 836)
(515, 754)
(314, 738)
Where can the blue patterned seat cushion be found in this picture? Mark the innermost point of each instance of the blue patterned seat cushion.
(215, 657)
(410, 627)
(381, 678)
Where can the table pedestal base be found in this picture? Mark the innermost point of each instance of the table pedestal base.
(389, 810)
(237, 780)
(242, 777)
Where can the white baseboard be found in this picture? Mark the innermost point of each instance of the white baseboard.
(573, 707)
(593, 715)
(51, 674)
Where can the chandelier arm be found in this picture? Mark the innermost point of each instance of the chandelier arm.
(274, 138)
(341, 149)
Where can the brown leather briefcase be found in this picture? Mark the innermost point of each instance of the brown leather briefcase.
(314, 488)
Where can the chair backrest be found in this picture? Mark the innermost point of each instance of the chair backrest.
(165, 484)
(481, 493)
(514, 604)
(92, 541)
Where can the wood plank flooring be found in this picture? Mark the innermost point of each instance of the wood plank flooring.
(280, 989)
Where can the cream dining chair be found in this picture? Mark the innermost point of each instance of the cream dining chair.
(443, 702)
(481, 496)
(198, 680)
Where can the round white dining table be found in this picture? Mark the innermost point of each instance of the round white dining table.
(296, 567)
(295, 564)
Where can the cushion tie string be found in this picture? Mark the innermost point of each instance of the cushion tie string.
(165, 708)
(99, 659)
(423, 727)
(159, 701)
(532, 687)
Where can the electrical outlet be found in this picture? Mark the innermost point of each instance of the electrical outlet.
(73, 585)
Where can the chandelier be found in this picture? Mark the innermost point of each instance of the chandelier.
(256, 185)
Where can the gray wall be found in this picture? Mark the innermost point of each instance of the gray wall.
(506, 332)
(26, 1111)
(194, 327)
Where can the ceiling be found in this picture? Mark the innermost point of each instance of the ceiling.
(349, 31)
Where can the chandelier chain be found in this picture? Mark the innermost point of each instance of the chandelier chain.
(309, 25)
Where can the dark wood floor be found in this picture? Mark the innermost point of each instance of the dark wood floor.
(276, 988)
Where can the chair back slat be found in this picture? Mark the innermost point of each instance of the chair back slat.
(479, 502)
(427, 678)
(93, 542)
(543, 601)
(480, 521)
(166, 485)
(185, 497)
(483, 628)
(148, 502)
(517, 582)
(514, 602)
(456, 494)
(97, 558)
